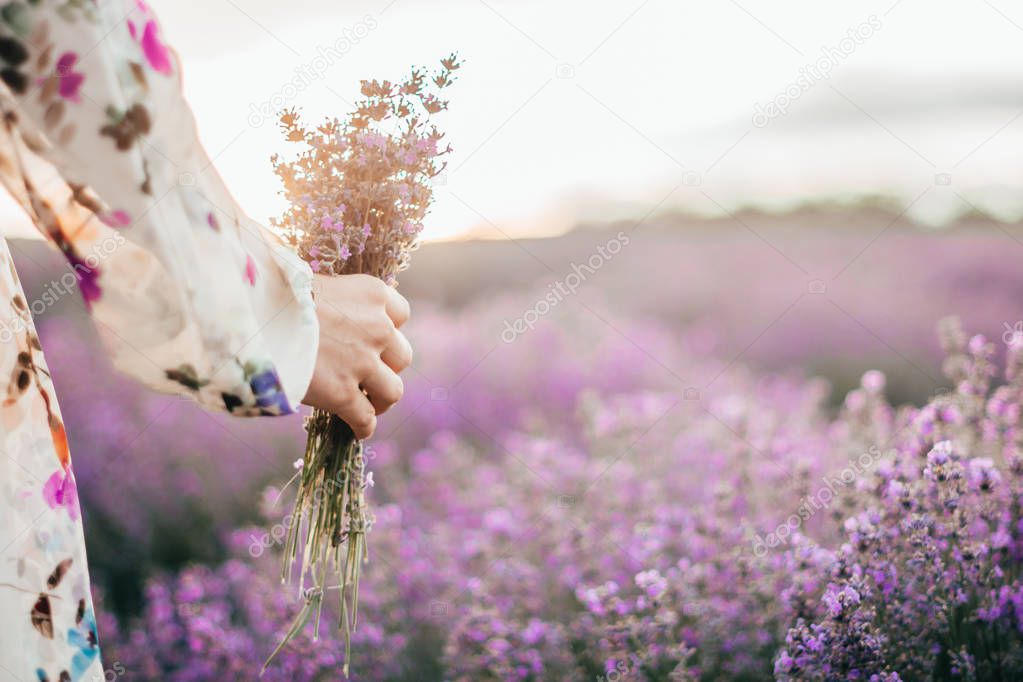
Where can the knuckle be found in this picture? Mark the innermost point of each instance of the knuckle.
(405, 307)
(377, 289)
(395, 391)
(382, 329)
(361, 417)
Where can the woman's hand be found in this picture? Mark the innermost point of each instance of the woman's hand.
(361, 350)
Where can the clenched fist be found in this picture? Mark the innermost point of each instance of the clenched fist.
(361, 349)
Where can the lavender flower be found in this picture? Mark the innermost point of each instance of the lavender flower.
(935, 573)
(499, 553)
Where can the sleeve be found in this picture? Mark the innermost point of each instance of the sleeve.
(189, 294)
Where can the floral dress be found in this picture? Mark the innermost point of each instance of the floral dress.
(188, 294)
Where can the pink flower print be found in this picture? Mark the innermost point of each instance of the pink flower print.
(116, 218)
(60, 491)
(157, 54)
(314, 265)
(211, 220)
(250, 271)
(344, 252)
(88, 278)
(70, 81)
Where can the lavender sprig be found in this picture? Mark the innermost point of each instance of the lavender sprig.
(358, 194)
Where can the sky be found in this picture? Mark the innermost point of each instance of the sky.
(569, 111)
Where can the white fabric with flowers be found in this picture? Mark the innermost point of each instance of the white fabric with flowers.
(188, 293)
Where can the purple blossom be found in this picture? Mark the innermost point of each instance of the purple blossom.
(481, 570)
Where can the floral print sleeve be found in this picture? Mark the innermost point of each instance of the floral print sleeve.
(188, 293)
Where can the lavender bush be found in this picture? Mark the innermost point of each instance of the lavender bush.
(635, 506)
(638, 534)
(926, 584)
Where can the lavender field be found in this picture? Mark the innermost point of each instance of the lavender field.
(742, 449)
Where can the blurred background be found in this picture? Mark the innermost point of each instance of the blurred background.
(672, 236)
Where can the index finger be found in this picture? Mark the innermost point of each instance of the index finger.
(397, 307)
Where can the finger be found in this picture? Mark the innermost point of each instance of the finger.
(384, 388)
(359, 414)
(398, 354)
(398, 308)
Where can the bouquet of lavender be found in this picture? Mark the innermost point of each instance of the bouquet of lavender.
(359, 192)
